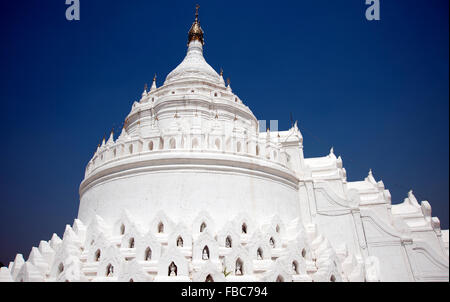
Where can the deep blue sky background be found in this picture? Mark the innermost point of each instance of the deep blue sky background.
(376, 91)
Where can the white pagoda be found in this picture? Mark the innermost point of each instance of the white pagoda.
(191, 190)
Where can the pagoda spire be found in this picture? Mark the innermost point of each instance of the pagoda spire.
(196, 32)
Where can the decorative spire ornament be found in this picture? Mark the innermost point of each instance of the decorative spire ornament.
(153, 84)
(196, 32)
(111, 138)
(229, 84)
(221, 77)
(144, 93)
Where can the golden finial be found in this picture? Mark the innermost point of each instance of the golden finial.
(221, 72)
(196, 32)
(196, 11)
(228, 81)
(154, 78)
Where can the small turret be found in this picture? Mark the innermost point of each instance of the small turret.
(153, 88)
(332, 152)
(144, 93)
(111, 138)
(370, 177)
(221, 77)
(229, 85)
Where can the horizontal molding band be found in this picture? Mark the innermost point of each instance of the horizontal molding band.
(187, 162)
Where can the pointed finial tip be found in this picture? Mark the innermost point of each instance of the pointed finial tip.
(196, 32)
(154, 77)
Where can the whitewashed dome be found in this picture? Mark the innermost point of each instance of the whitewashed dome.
(194, 67)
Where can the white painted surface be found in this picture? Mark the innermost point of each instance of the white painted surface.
(191, 153)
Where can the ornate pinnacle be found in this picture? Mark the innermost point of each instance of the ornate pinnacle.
(154, 83)
(196, 32)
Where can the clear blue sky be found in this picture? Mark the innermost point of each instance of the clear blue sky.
(376, 91)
